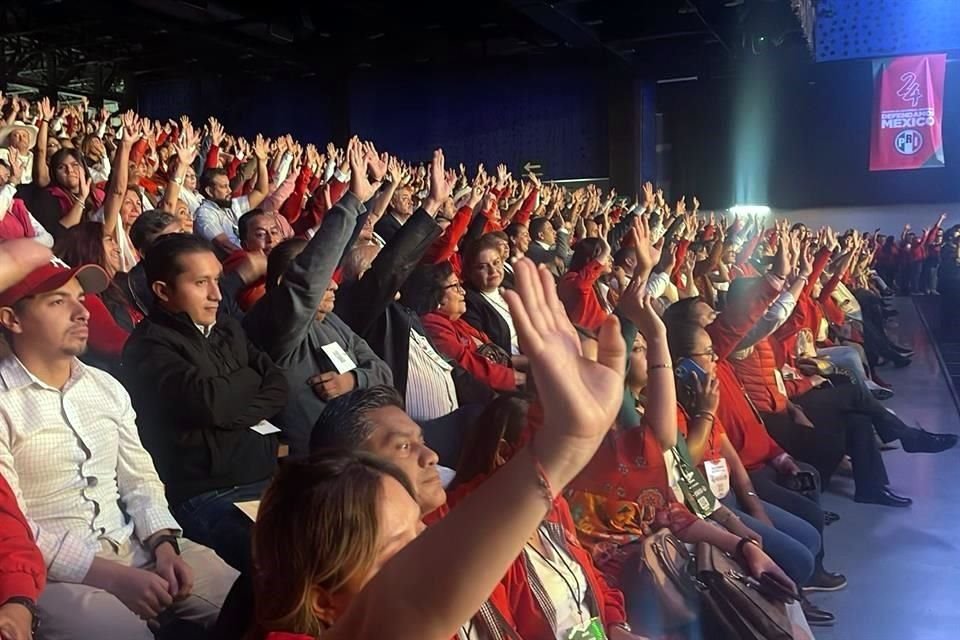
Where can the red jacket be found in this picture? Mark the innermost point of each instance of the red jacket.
(742, 422)
(458, 340)
(22, 570)
(579, 298)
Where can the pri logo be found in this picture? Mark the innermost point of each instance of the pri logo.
(910, 89)
(908, 142)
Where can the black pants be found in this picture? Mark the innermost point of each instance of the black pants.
(822, 447)
(861, 414)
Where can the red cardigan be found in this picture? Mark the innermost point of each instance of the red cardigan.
(455, 339)
(576, 292)
(22, 570)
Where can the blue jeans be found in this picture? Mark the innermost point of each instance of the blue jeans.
(793, 543)
(212, 520)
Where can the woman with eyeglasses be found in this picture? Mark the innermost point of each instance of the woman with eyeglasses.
(436, 294)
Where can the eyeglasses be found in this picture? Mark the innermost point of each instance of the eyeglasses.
(709, 353)
(456, 285)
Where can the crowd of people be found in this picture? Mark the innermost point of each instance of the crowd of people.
(256, 389)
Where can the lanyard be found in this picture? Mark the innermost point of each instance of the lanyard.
(574, 589)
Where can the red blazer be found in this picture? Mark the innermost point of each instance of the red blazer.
(576, 292)
(22, 570)
(456, 339)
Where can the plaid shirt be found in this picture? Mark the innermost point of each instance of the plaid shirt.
(75, 463)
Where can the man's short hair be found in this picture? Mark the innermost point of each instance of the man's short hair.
(206, 178)
(162, 263)
(147, 227)
(245, 220)
(344, 423)
(537, 225)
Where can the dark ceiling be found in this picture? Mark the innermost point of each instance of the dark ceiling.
(102, 48)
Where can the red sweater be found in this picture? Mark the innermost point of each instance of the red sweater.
(22, 570)
(579, 298)
(458, 340)
(16, 223)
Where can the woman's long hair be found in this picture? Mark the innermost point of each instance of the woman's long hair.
(317, 527)
(586, 250)
(58, 158)
(503, 419)
(424, 289)
(83, 244)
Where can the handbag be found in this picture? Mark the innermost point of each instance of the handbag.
(733, 602)
(665, 570)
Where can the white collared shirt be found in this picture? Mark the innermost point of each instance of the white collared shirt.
(76, 465)
(499, 304)
(431, 392)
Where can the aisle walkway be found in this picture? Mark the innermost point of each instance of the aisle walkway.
(903, 565)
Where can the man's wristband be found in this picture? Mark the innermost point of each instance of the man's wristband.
(172, 539)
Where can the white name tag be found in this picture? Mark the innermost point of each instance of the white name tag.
(718, 475)
(341, 361)
(264, 428)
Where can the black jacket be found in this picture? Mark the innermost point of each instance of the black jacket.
(370, 308)
(196, 399)
(481, 315)
(387, 226)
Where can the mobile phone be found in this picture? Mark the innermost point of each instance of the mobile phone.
(686, 370)
(802, 482)
(773, 589)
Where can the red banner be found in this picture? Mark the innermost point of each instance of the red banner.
(907, 113)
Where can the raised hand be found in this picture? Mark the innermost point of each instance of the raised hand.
(376, 163)
(359, 179)
(584, 396)
(132, 127)
(260, 148)
(85, 184)
(47, 109)
(216, 131)
(440, 184)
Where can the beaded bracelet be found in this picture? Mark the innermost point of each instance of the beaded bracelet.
(659, 366)
(542, 479)
(706, 414)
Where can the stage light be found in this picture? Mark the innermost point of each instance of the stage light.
(750, 210)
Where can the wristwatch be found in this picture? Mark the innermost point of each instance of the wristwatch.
(31, 607)
(172, 539)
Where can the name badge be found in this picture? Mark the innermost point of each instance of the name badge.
(341, 361)
(264, 428)
(718, 476)
(592, 630)
(782, 388)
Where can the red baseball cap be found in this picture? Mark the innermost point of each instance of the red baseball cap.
(51, 277)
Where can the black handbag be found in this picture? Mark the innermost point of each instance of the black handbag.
(733, 603)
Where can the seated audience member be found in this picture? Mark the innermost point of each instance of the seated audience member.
(398, 213)
(519, 237)
(112, 318)
(294, 321)
(117, 566)
(154, 224)
(553, 586)
(218, 216)
(204, 395)
(259, 232)
(439, 394)
(312, 584)
(373, 421)
(436, 294)
(17, 141)
(548, 246)
(483, 273)
(16, 221)
(578, 287)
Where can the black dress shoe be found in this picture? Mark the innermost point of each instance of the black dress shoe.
(829, 517)
(901, 362)
(817, 617)
(824, 580)
(884, 497)
(925, 442)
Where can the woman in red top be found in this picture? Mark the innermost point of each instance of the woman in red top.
(553, 586)
(578, 286)
(435, 292)
(112, 318)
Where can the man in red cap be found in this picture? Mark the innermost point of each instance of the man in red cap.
(70, 450)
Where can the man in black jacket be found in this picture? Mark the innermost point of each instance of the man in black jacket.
(204, 395)
(549, 246)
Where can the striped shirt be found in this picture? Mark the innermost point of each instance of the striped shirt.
(76, 465)
(430, 389)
